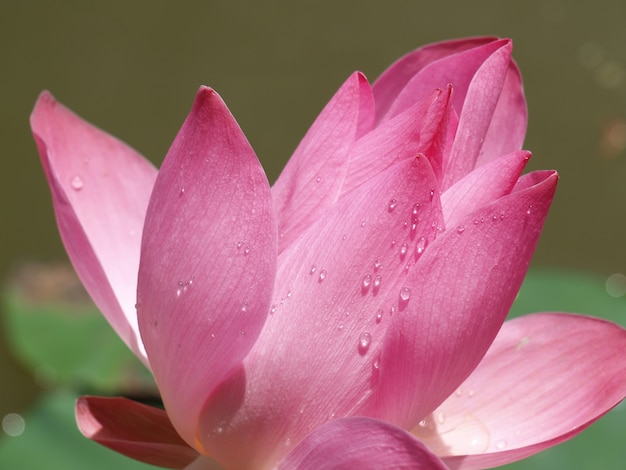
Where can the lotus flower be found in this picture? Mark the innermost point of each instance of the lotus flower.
(352, 314)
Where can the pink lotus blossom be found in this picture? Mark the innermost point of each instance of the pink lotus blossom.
(351, 316)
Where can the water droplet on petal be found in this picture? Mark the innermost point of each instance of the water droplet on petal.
(392, 205)
(273, 308)
(244, 306)
(377, 281)
(318, 179)
(182, 191)
(246, 250)
(403, 249)
(500, 444)
(364, 342)
(441, 417)
(367, 280)
(405, 294)
(530, 209)
(377, 265)
(77, 183)
(379, 315)
(239, 244)
(421, 245)
(460, 229)
(322, 275)
(289, 294)
(416, 208)
(313, 269)
(432, 194)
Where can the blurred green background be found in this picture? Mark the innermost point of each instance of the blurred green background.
(132, 68)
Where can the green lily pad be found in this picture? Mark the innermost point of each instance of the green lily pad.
(56, 331)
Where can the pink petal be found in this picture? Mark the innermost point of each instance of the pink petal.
(360, 443)
(476, 114)
(485, 184)
(208, 260)
(324, 335)
(508, 123)
(138, 431)
(204, 463)
(462, 290)
(457, 70)
(389, 85)
(312, 179)
(100, 189)
(416, 130)
(545, 378)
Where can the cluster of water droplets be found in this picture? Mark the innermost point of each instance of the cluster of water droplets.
(243, 247)
(183, 286)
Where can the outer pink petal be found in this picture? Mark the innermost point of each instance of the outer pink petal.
(360, 443)
(337, 286)
(138, 431)
(312, 180)
(481, 186)
(477, 113)
(208, 260)
(457, 70)
(463, 288)
(389, 85)
(545, 378)
(100, 189)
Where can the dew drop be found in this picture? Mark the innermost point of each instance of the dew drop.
(246, 250)
(322, 275)
(273, 308)
(242, 332)
(313, 269)
(432, 194)
(530, 209)
(239, 244)
(379, 315)
(421, 245)
(362, 223)
(460, 229)
(405, 294)
(416, 208)
(377, 265)
(494, 217)
(364, 342)
(392, 310)
(289, 294)
(77, 183)
(318, 179)
(403, 248)
(441, 417)
(377, 281)
(501, 444)
(392, 205)
(182, 191)
(376, 363)
(423, 423)
(367, 280)
(244, 306)
(414, 224)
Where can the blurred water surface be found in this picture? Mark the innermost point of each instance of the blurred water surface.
(132, 68)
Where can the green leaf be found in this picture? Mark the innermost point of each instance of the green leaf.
(55, 330)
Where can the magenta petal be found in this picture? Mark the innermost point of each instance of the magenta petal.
(508, 123)
(312, 180)
(416, 130)
(100, 190)
(138, 431)
(477, 113)
(457, 70)
(545, 378)
(336, 288)
(208, 260)
(361, 443)
(465, 284)
(389, 85)
(483, 185)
